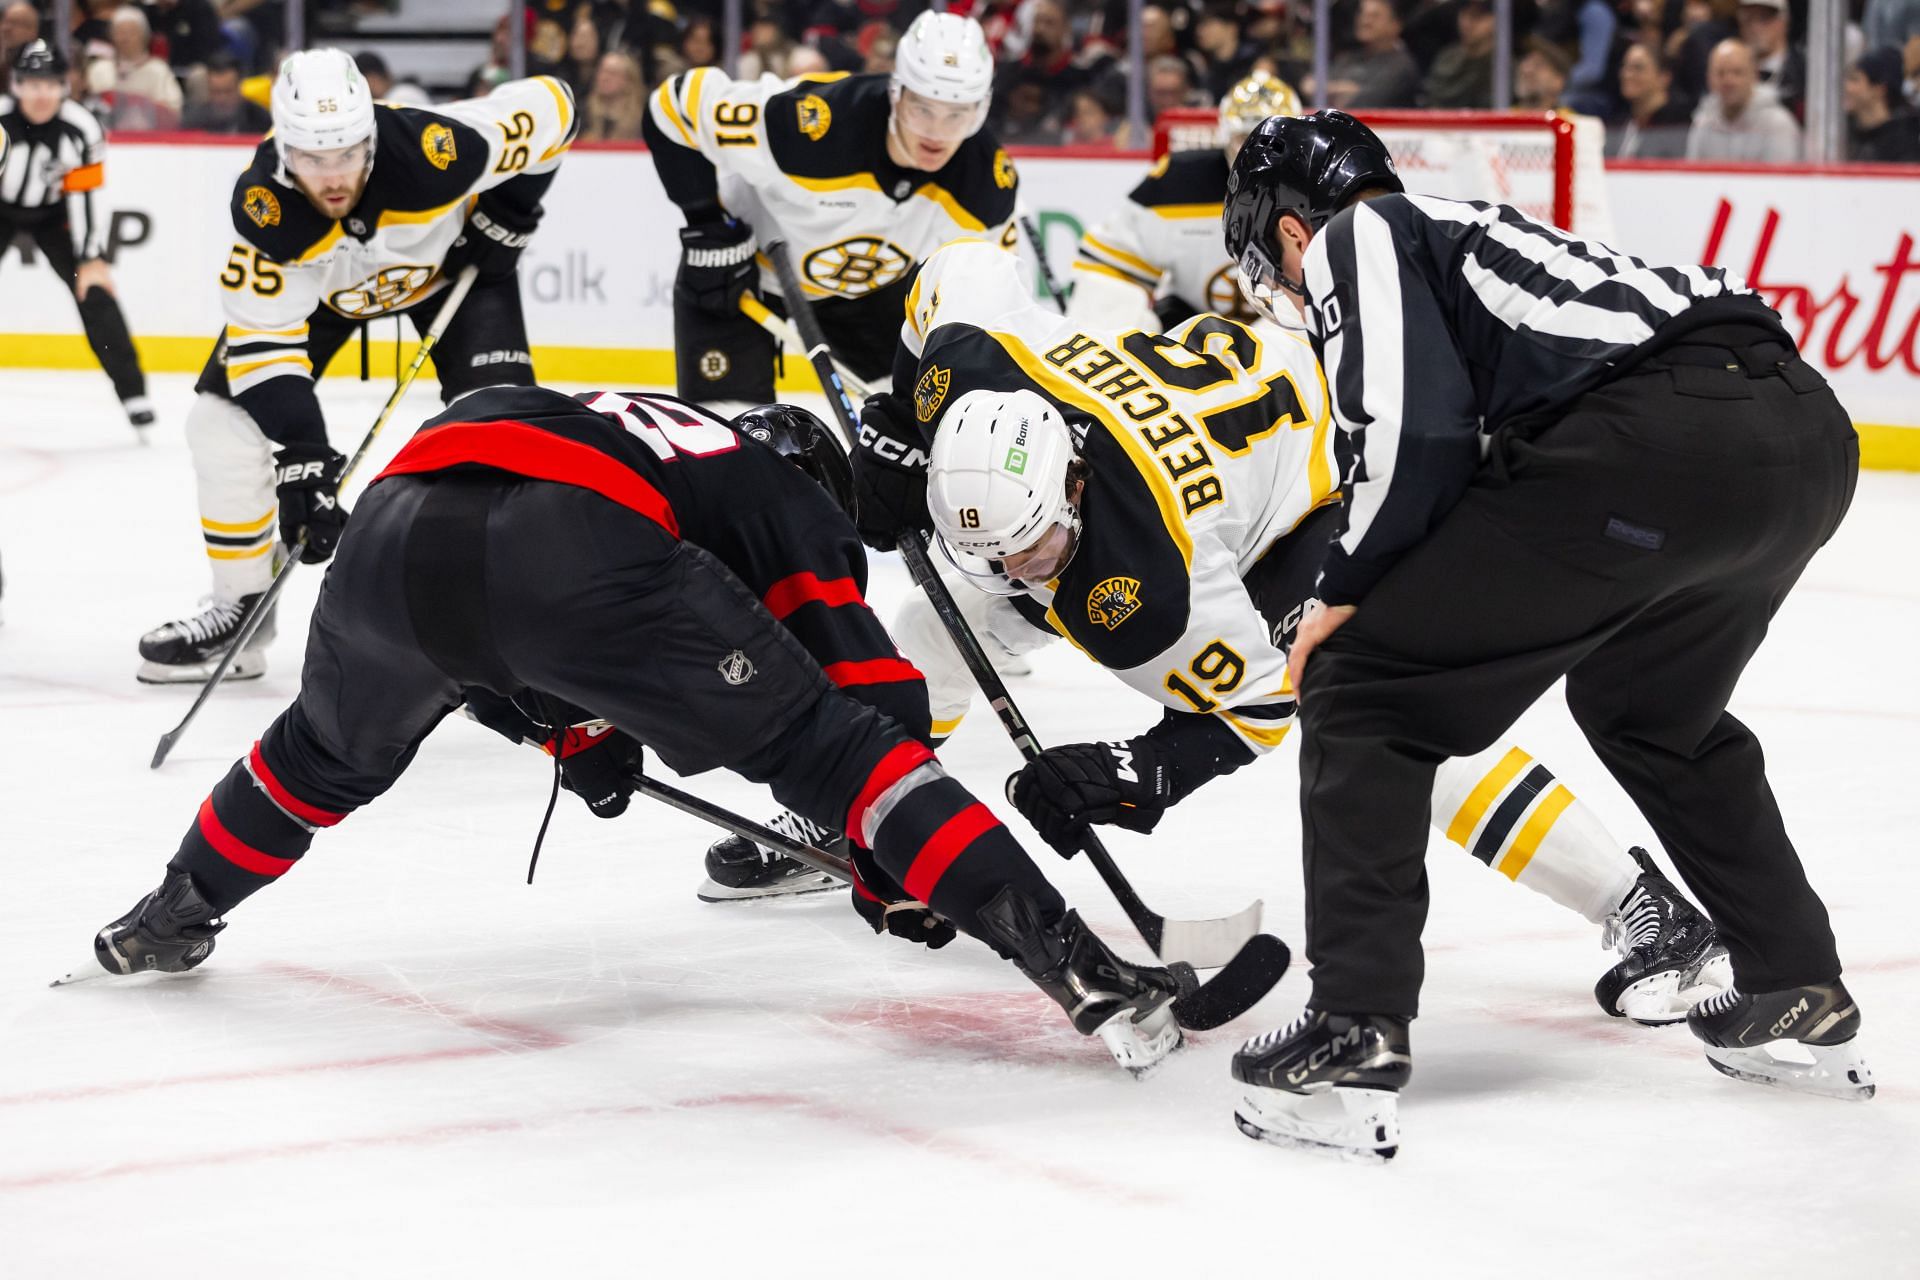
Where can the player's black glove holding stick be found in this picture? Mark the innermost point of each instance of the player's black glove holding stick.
(306, 483)
(889, 473)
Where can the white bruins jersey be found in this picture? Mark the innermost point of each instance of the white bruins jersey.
(291, 260)
(1206, 446)
(1163, 249)
(807, 160)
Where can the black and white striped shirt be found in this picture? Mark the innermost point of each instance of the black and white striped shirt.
(59, 160)
(1441, 321)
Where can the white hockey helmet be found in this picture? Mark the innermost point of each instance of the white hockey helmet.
(944, 57)
(997, 487)
(320, 103)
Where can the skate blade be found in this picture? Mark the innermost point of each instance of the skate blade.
(812, 882)
(85, 972)
(250, 665)
(1141, 1046)
(1361, 1126)
(1835, 1071)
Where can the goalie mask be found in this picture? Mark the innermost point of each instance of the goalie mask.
(1260, 95)
(997, 489)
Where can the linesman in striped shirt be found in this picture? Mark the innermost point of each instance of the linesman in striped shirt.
(1557, 460)
(52, 162)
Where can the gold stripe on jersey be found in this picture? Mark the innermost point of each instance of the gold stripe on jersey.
(842, 183)
(865, 181)
(1267, 738)
(1086, 264)
(1174, 211)
(1484, 793)
(322, 245)
(246, 526)
(564, 102)
(235, 331)
(394, 217)
(253, 366)
(1320, 479)
(1120, 257)
(696, 84)
(251, 553)
(955, 210)
(671, 110)
(1527, 843)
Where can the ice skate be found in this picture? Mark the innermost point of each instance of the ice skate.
(1129, 1006)
(140, 414)
(186, 650)
(738, 869)
(1327, 1083)
(168, 931)
(1670, 954)
(1804, 1038)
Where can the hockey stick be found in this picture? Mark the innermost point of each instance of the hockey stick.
(1040, 259)
(1250, 962)
(264, 605)
(725, 819)
(783, 332)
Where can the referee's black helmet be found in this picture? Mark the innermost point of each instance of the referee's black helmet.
(1309, 166)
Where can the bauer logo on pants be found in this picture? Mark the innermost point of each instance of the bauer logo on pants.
(736, 668)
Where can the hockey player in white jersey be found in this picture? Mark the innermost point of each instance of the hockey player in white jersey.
(1163, 501)
(862, 175)
(352, 209)
(1158, 259)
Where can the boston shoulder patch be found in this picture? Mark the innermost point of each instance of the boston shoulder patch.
(814, 116)
(436, 143)
(1113, 601)
(262, 206)
(931, 392)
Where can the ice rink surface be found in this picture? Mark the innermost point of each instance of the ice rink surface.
(403, 1061)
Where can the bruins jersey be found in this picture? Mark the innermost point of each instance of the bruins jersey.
(1163, 249)
(807, 160)
(1206, 446)
(289, 260)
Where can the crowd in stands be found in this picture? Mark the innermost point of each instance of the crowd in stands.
(1721, 80)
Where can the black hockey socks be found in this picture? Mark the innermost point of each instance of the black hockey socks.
(112, 344)
(248, 834)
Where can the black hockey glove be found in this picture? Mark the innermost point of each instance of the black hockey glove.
(306, 479)
(1065, 788)
(887, 908)
(889, 473)
(492, 241)
(600, 764)
(716, 267)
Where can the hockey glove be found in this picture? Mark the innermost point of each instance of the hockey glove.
(492, 241)
(306, 479)
(599, 764)
(889, 473)
(887, 908)
(716, 267)
(1065, 788)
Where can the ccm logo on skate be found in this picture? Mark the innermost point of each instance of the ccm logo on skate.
(1324, 1054)
(1788, 1018)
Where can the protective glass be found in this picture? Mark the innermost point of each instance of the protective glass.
(938, 121)
(335, 162)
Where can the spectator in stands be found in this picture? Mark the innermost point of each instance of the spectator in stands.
(1891, 24)
(1093, 121)
(1170, 85)
(140, 88)
(1655, 125)
(1540, 77)
(1703, 25)
(1378, 71)
(805, 60)
(582, 62)
(877, 43)
(19, 27)
(1736, 121)
(190, 28)
(1781, 66)
(1228, 55)
(1462, 75)
(1026, 110)
(611, 111)
(1588, 32)
(222, 108)
(1880, 128)
(384, 88)
(699, 45)
(768, 48)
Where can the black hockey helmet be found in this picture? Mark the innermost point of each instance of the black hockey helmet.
(40, 58)
(1309, 166)
(805, 441)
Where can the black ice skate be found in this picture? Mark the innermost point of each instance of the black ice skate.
(1326, 1082)
(168, 931)
(1129, 1006)
(186, 650)
(139, 414)
(1670, 955)
(738, 869)
(1803, 1038)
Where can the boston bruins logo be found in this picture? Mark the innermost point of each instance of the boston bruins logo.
(714, 364)
(857, 265)
(931, 392)
(392, 287)
(1224, 297)
(262, 206)
(1002, 170)
(436, 142)
(815, 117)
(1113, 601)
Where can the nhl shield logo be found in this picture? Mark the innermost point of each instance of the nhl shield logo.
(815, 116)
(931, 393)
(1114, 601)
(736, 668)
(262, 207)
(436, 143)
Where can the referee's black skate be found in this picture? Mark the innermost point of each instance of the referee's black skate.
(168, 931)
(186, 650)
(1804, 1038)
(739, 869)
(1326, 1082)
(1129, 1006)
(1670, 955)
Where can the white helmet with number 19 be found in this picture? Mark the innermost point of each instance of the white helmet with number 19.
(997, 482)
(321, 104)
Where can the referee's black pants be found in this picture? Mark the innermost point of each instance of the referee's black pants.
(100, 315)
(1639, 547)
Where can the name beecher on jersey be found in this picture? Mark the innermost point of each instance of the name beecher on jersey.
(430, 170)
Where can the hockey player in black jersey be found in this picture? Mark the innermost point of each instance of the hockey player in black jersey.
(863, 175)
(52, 164)
(352, 209)
(636, 561)
(1559, 461)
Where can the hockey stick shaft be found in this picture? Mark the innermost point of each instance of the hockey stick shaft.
(1032, 233)
(727, 820)
(264, 605)
(783, 332)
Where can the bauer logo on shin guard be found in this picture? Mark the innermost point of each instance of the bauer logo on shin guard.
(736, 668)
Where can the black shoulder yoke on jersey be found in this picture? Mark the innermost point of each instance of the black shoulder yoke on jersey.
(837, 128)
(422, 161)
(1127, 594)
(1184, 177)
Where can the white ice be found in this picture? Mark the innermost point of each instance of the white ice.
(402, 1060)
